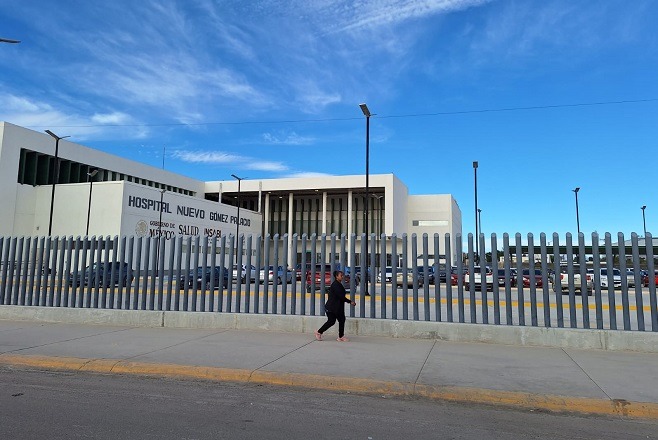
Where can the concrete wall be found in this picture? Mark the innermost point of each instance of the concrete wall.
(434, 208)
(507, 335)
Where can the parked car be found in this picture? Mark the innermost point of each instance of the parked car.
(388, 275)
(323, 271)
(409, 282)
(603, 277)
(357, 273)
(531, 276)
(429, 277)
(630, 278)
(88, 275)
(279, 274)
(645, 279)
(478, 272)
(241, 272)
(298, 270)
(502, 278)
(561, 280)
(203, 278)
(454, 277)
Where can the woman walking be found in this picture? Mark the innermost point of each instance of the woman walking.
(335, 308)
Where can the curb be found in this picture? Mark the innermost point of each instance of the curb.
(520, 400)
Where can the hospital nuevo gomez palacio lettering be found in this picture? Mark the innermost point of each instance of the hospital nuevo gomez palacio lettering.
(168, 229)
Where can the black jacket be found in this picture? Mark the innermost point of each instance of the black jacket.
(336, 302)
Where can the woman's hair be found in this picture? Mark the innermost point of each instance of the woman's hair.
(336, 272)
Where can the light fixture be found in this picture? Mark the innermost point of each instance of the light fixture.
(55, 178)
(90, 176)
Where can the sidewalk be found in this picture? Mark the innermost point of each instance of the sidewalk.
(582, 381)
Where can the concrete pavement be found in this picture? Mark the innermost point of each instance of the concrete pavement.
(613, 383)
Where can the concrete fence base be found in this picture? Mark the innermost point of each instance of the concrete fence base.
(494, 334)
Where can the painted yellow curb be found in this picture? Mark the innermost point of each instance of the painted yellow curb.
(585, 405)
(351, 384)
(581, 405)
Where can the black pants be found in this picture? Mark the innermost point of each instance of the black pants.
(331, 320)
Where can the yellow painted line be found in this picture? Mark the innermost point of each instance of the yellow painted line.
(400, 299)
(517, 399)
(421, 300)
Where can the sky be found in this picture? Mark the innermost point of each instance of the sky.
(547, 96)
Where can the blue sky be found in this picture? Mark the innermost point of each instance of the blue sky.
(268, 89)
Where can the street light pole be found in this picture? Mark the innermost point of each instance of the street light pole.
(90, 176)
(367, 114)
(55, 178)
(157, 241)
(577, 214)
(8, 40)
(477, 233)
(644, 220)
(480, 226)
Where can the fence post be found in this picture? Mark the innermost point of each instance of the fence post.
(496, 282)
(284, 281)
(532, 281)
(293, 259)
(544, 280)
(259, 257)
(353, 274)
(448, 252)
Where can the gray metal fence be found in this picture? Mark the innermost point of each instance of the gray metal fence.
(156, 274)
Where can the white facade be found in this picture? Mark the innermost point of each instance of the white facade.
(320, 205)
(391, 209)
(26, 211)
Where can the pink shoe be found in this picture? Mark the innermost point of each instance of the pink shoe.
(343, 339)
(318, 335)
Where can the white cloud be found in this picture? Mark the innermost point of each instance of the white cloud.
(534, 29)
(223, 158)
(287, 139)
(114, 118)
(207, 157)
(351, 16)
(38, 115)
(266, 166)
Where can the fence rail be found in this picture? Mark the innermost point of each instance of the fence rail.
(138, 273)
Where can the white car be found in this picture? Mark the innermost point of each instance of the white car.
(278, 274)
(603, 277)
(477, 278)
(563, 283)
(241, 272)
(388, 275)
(630, 278)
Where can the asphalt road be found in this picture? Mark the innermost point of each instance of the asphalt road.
(47, 405)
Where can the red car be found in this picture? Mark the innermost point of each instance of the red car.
(323, 271)
(645, 279)
(532, 276)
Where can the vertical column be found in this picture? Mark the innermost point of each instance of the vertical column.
(266, 218)
(260, 195)
(291, 219)
(349, 220)
(324, 213)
